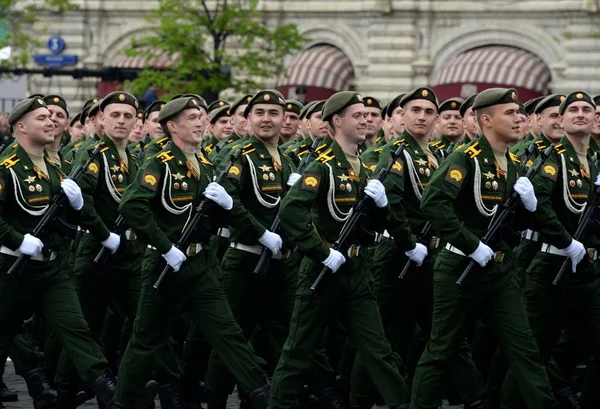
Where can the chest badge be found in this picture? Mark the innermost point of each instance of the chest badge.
(115, 168)
(38, 187)
(348, 187)
(265, 168)
(178, 176)
(184, 185)
(488, 175)
(29, 179)
(353, 176)
(120, 178)
(420, 162)
(31, 188)
(579, 183)
(495, 185)
(343, 178)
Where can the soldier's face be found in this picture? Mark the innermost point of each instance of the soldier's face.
(578, 118)
(238, 121)
(549, 123)
(153, 127)
(388, 129)
(373, 118)
(266, 121)
(4, 124)
(534, 126)
(97, 124)
(290, 124)
(397, 121)
(419, 117)
(189, 127)
(524, 126)
(470, 123)
(352, 123)
(76, 131)
(316, 126)
(596, 128)
(137, 131)
(451, 123)
(118, 120)
(504, 121)
(37, 126)
(222, 128)
(59, 118)
(302, 127)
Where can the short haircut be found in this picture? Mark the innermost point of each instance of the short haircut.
(484, 111)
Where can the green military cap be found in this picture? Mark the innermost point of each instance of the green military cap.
(56, 100)
(596, 99)
(384, 110)
(532, 104)
(574, 97)
(219, 112)
(305, 108)
(372, 102)
(119, 97)
(395, 103)
(266, 96)
(316, 107)
(216, 104)
(240, 102)
(175, 106)
(550, 101)
(420, 93)
(94, 109)
(201, 101)
(338, 102)
(86, 107)
(23, 107)
(452, 104)
(467, 104)
(156, 106)
(494, 96)
(521, 108)
(291, 105)
(75, 119)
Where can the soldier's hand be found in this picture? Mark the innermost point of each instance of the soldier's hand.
(376, 191)
(31, 245)
(482, 255)
(418, 254)
(334, 260)
(112, 242)
(219, 195)
(175, 258)
(293, 179)
(272, 241)
(73, 193)
(525, 190)
(576, 252)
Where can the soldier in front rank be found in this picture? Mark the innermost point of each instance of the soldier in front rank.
(220, 124)
(312, 216)
(157, 139)
(291, 120)
(459, 201)
(451, 127)
(566, 182)
(159, 204)
(29, 183)
(238, 121)
(117, 281)
(257, 183)
(374, 119)
(470, 121)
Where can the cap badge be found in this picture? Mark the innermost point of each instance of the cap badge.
(514, 95)
(562, 98)
(121, 97)
(289, 106)
(359, 97)
(221, 103)
(266, 97)
(369, 101)
(194, 102)
(424, 93)
(56, 99)
(579, 95)
(41, 102)
(453, 104)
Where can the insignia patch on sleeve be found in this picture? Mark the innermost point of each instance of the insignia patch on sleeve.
(397, 168)
(93, 169)
(310, 182)
(550, 171)
(235, 172)
(150, 180)
(456, 175)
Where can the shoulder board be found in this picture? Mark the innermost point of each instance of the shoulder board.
(204, 160)
(76, 144)
(10, 161)
(398, 142)
(103, 149)
(378, 139)
(161, 141)
(287, 156)
(473, 150)
(559, 148)
(539, 141)
(246, 149)
(325, 156)
(320, 147)
(378, 150)
(435, 143)
(371, 168)
(514, 157)
(541, 147)
(165, 156)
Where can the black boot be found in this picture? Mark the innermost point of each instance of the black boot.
(7, 395)
(170, 397)
(330, 399)
(44, 396)
(104, 387)
(259, 398)
(567, 398)
(67, 396)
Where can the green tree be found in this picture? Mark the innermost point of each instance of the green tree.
(199, 35)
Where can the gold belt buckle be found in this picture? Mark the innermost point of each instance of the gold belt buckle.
(592, 254)
(434, 243)
(192, 249)
(498, 256)
(353, 251)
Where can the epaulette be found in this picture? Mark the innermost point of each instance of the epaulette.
(378, 139)
(473, 150)
(398, 142)
(160, 142)
(10, 161)
(320, 148)
(559, 148)
(541, 147)
(514, 157)
(204, 160)
(435, 144)
(371, 168)
(325, 157)
(378, 150)
(538, 141)
(246, 149)
(287, 156)
(103, 149)
(164, 156)
(77, 144)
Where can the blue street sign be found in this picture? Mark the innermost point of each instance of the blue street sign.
(56, 44)
(55, 60)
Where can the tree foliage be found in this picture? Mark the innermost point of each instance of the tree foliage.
(215, 45)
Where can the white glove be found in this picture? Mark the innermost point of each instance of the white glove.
(219, 195)
(524, 188)
(482, 255)
(272, 241)
(334, 260)
(293, 179)
(31, 245)
(597, 182)
(376, 191)
(73, 192)
(576, 252)
(418, 254)
(175, 258)
(112, 242)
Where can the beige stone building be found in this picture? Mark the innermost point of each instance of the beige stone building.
(378, 47)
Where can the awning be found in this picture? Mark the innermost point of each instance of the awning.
(148, 57)
(321, 66)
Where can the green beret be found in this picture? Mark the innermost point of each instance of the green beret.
(521, 108)
(467, 104)
(75, 119)
(201, 101)
(532, 104)
(266, 96)
(240, 102)
(494, 96)
(384, 110)
(86, 107)
(23, 107)
(94, 109)
(420, 93)
(119, 97)
(316, 107)
(291, 105)
(574, 97)
(175, 106)
(394, 103)
(219, 112)
(305, 108)
(452, 104)
(338, 102)
(156, 106)
(216, 104)
(56, 100)
(372, 102)
(553, 100)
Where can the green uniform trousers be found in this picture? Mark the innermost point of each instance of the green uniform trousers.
(196, 290)
(494, 296)
(348, 293)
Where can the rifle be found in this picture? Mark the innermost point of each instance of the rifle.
(144, 142)
(423, 238)
(359, 209)
(119, 228)
(528, 152)
(199, 212)
(499, 222)
(266, 255)
(52, 212)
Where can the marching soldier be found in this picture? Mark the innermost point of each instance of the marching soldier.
(239, 123)
(533, 127)
(450, 125)
(374, 120)
(220, 124)
(157, 138)
(59, 115)
(470, 121)
(317, 128)
(291, 121)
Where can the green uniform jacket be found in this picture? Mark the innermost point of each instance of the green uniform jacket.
(370, 157)
(209, 144)
(220, 155)
(520, 148)
(313, 212)
(155, 146)
(302, 149)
